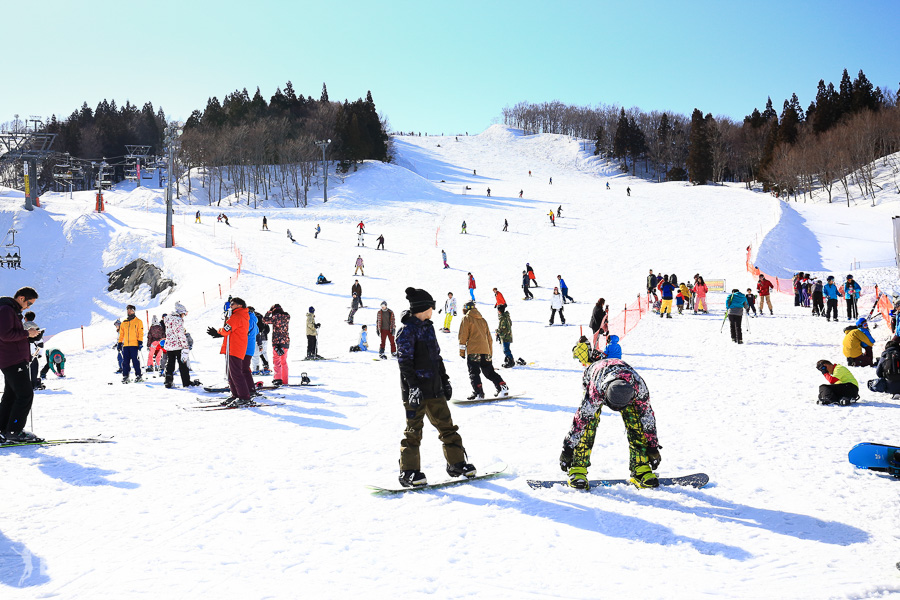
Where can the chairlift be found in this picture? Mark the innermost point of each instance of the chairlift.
(13, 258)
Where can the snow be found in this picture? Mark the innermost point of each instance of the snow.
(271, 502)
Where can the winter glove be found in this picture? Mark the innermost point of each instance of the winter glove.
(440, 310)
(497, 337)
(213, 333)
(654, 458)
(415, 396)
(119, 346)
(318, 325)
(448, 390)
(140, 345)
(279, 350)
(565, 459)
(454, 313)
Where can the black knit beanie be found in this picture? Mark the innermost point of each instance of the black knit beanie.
(419, 300)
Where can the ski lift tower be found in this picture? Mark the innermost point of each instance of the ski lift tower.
(29, 147)
(172, 133)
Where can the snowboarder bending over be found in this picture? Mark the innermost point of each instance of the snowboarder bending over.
(612, 382)
(475, 340)
(425, 389)
(842, 385)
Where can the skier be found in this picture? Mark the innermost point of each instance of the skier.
(362, 227)
(613, 383)
(887, 369)
(858, 343)
(444, 258)
(842, 385)
(176, 346)
(598, 321)
(521, 192)
(652, 281)
(475, 341)
(504, 336)
(751, 302)
(131, 341)
(380, 242)
(356, 288)
(830, 291)
(489, 192)
(564, 289)
(851, 295)
(265, 224)
(234, 346)
(197, 217)
(818, 305)
(607, 185)
(262, 347)
(628, 191)
(318, 230)
(505, 225)
(363, 344)
(552, 219)
(354, 306)
(386, 325)
(472, 287)
(321, 280)
(449, 311)
(281, 342)
(359, 266)
(499, 300)
(531, 275)
(556, 304)
(735, 305)
(360, 240)
(290, 237)
(463, 227)
(154, 351)
(525, 285)
(666, 289)
(312, 335)
(425, 389)
(762, 287)
(551, 181)
(18, 393)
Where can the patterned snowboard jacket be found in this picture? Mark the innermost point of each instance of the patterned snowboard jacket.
(279, 320)
(640, 422)
(176, 337)
(419, 358)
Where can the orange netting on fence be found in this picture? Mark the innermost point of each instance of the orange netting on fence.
(628, 319)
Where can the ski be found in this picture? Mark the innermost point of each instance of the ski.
(493, 471)
(275, 387)
(220, 406)
(58, 442)
(318, 358)
(696, 480)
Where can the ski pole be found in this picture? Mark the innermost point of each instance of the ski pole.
(723, 322)
(748, 322)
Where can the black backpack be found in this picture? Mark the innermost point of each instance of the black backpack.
(891, 368)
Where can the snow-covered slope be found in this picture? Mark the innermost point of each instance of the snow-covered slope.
(271, 503)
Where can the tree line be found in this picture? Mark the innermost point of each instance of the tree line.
(836, 139)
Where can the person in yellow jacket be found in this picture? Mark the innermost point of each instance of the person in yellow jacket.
(582, 351)
(842, 387)
(131, 341)
(858, 343)
(475, 340)
(686, 294)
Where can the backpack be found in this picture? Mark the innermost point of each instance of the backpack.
(891, 368)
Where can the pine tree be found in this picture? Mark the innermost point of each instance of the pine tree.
(598, 140)
(622, 136)
(769, 113)
(790, 121)
(863, 97)
(845, 97)
(324, 97)
(699, 160)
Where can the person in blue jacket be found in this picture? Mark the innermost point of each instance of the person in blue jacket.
(564, 289)
(851, 295)
(613, 349)
(830, 292)
(251, 349)
(735, 304)
(667, 289)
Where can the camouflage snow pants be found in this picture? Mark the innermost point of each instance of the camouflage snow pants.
(637, 445)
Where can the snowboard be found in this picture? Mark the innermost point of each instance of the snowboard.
(275, 387)
(492, 471)
(696, 480)
(874, 457)
(486, 399)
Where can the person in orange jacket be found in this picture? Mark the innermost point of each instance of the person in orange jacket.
(235, 332)
(499, 300)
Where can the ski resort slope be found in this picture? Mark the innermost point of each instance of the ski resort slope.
(271, 502)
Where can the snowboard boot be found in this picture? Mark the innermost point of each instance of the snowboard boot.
(477, 394)
(304, 379)
(139, 379)
(256, 373)
(894, 464)
(644, 477)
(412, 478)
(578, 478)
(393, 355)
(502, 391)
(382, 356)
(461, 469)
(520, 361)
(168, 382)
(126, 379)
(277, 382)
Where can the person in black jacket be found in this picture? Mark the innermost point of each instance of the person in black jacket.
(526, 282)
(597, 325)
(652, 282)
(425, 389)
(887, 382)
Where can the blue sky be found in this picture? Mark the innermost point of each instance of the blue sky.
(444, 66)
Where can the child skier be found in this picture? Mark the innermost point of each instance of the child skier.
(613, 349)
(751, 302)
(613, 383)
(281, 342)
(425, 389)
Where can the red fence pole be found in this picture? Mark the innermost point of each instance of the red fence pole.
(220, 291)
(625, 321)
(204, 299)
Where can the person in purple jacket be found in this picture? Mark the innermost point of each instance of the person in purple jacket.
(15, 355)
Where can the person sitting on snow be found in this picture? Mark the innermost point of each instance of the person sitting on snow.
(887, 369)
(858, 343)
(841, 384)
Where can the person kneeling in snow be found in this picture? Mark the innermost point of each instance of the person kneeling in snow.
(363, 344)
(887, 369)
(841, 388)
(613, 383)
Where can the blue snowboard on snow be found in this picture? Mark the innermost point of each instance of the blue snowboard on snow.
(876, 457)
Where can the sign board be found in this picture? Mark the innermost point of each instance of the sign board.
(715, 285)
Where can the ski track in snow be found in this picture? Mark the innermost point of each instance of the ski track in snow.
(270, 502)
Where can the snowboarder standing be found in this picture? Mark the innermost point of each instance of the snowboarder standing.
(476, 347)
(312, 335)
(281, 342)
(362, 227)
(504, 335)
(564, 289)
(354, 306)
(763, 287)
(525, 285)
(425, 389)
(449, 311)
(360, 240)
(531, 275)
(290, 237)
(359, 266)
(613, 383)
(489, 192)
(499, 300)
(318, 231)
(556, 304)
(18, 394)
(386, 325)
(505, 225)
(356, 288)
(197, 217)
(628, 191)
(265, 224)
(380, 242)
(463, 227)
(444, 258)
(559, 212)
(472, 287)
(552, 219)
(131, 341)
